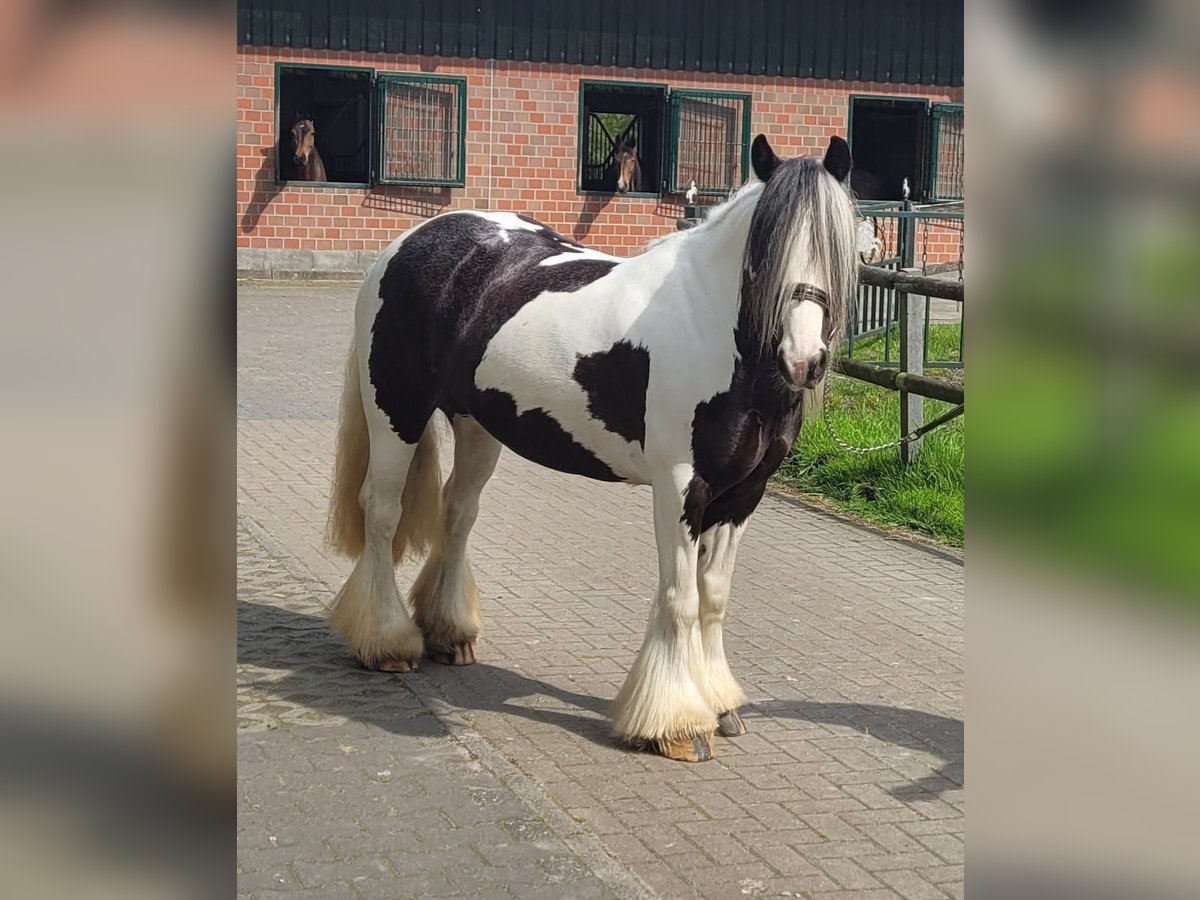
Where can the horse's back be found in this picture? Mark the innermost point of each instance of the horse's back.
(452, 319)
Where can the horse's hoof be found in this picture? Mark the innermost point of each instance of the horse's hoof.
(454, 655)
(395, 664)
(685, 749)
(730, 724)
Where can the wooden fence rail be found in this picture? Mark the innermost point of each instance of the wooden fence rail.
(921, 385)
(907, 280)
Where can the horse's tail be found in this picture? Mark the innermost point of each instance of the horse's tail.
(421, 502)
(345, 530)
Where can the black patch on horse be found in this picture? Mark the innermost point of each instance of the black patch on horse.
(615, 381)
(537, 436)
(739, 438)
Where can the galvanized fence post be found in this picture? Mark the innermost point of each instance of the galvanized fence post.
(912, 360)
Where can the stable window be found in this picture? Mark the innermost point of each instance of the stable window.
(612, 113)
(373, 128)
(680, 136)
(422, 128)
(338, 101)
(710, 141)
(906, 140)
(887, 139)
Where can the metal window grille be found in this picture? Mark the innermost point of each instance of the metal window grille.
(422, 130)
(710, 141)
(946, 151)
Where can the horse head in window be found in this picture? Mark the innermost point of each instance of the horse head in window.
(629, 169)
(304, 151)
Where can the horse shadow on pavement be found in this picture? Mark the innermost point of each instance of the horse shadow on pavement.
(310, 666)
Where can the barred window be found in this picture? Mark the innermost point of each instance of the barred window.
(710, 141)
(946, 152)
(422, 129)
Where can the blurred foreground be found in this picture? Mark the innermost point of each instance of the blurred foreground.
(1083, 576)
(116, 665)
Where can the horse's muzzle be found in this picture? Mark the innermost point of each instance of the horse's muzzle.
(806, 373)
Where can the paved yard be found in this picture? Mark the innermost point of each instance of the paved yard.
(500, 779)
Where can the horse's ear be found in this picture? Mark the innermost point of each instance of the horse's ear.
(763, 159)
(837, 158)
(631, 144)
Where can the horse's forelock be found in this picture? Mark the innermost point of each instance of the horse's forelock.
(802, 209)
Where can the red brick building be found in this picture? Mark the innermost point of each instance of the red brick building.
(498, 104)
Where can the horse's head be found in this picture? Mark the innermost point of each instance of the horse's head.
(800, 269)
(629, 170)
(304, 141)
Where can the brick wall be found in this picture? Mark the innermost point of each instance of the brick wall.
(521, 152)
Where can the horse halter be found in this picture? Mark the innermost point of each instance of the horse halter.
(811, 292)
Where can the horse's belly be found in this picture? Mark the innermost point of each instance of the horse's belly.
(538, 436)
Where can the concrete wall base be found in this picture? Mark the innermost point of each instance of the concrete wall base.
(293, 265)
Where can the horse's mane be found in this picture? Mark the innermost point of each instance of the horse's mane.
(714, 217)
(800, 197)
(799, 192)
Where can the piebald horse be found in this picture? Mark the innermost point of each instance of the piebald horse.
(682, 368)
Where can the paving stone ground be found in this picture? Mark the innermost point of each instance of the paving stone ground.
(500, 779)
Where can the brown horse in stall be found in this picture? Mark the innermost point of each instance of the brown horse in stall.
(629, 168)
(309, 166)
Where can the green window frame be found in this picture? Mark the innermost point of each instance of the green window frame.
(586, 122)
(946, 144)
(421, 129)
(282, 129)
(429, 149)
(708, 142)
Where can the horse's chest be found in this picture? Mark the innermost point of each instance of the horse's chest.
(736, 449)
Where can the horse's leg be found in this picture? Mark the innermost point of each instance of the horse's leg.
(660, 704)
(386, 500)
(368, 610)
(718, 550)
(444, 597)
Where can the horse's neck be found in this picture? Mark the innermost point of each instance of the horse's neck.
(315, 170)
(716, 248)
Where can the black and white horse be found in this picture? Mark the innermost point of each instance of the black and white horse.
(682, 368)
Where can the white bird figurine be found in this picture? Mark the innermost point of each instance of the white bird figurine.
(904, 189)
(691, 191)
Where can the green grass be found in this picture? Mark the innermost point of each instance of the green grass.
(926, 497)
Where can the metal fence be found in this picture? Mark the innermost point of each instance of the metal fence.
(927, 238)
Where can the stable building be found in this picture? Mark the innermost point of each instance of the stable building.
(421, 107)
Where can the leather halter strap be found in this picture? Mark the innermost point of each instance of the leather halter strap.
(811, 292)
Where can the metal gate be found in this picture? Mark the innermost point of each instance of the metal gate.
(904, 232)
